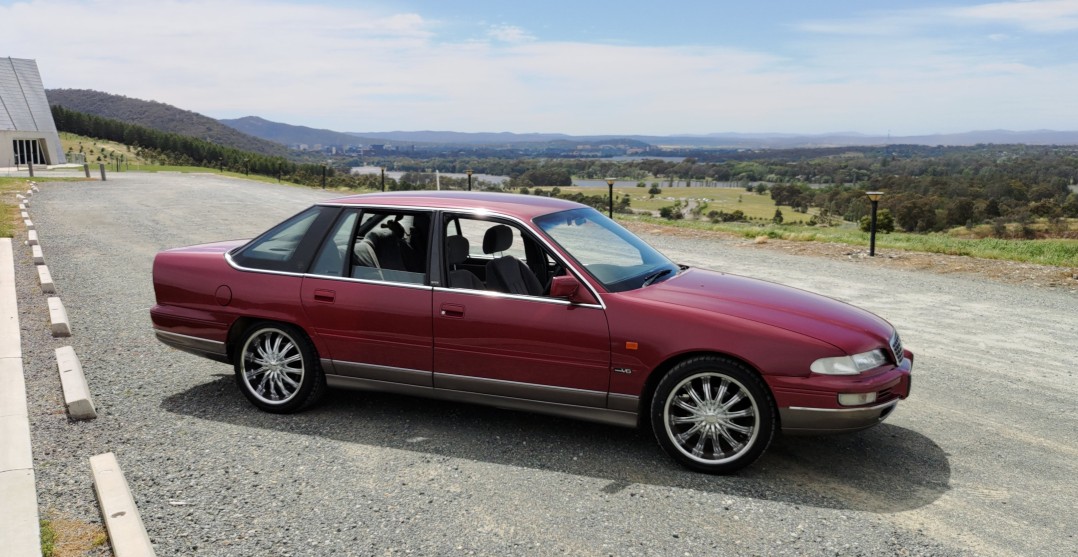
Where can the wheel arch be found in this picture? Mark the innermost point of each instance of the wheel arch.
(660, 371)
(241, 324)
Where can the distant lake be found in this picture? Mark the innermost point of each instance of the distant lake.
(646, 158)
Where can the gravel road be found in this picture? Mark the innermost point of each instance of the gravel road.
(981, 460)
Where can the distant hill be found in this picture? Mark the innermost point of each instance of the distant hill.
(738, 140)
(500, 138)
(161, 117)
(288, 134)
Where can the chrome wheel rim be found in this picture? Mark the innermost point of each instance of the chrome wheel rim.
(711, 418)
(272, 366)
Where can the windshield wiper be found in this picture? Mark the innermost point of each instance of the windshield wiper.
(655, 276)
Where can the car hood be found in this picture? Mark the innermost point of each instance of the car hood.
(837, 323)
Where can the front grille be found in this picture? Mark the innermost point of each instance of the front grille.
(886, 395)
(896, 348)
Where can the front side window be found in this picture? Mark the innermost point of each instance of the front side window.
(611, 254)
(488, 254)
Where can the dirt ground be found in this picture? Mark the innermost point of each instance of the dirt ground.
(1011, 272)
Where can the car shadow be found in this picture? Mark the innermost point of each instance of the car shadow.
(886, 469)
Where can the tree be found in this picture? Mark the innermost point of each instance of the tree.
(671, 213)
(777, 219)
(885, 222)
(655, 190)
(916, 215)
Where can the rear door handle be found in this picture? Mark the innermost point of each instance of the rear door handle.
(452, 310)
(321, 295)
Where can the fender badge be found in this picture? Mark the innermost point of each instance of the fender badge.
(625, 370)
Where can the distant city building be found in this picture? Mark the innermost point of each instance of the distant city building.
(27, 130)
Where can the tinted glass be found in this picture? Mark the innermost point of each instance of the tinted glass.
(611, 254)
(287, 246)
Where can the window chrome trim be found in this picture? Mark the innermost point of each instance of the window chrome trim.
(238, 267)
(522, 297)
(542, 238)
(462, 211)
(369, 281)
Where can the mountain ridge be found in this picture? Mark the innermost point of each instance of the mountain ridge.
(160, 116)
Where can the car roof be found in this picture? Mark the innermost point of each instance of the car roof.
(523, 206)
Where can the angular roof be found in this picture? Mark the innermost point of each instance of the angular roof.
(23, 105)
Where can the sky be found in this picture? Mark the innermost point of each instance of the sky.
(579, 67)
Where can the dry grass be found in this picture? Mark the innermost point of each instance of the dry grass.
(66, 537)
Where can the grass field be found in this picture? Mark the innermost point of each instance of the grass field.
(93, 148)
(754, 206)
(1057, 252)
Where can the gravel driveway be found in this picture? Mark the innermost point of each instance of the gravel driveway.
(982, 459)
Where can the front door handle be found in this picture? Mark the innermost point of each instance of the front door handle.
(321, 295)
(452, 310)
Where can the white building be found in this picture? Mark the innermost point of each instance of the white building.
(27, 130)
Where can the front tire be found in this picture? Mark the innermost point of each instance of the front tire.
(713, 415)
(277, 368)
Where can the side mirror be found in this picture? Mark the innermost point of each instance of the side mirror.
(564, 286)
(568, 287)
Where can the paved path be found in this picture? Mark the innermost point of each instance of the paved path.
(981, 460)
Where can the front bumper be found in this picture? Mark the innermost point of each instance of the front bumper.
(807, 421)
(809, 405)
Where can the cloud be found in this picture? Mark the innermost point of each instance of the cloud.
(509, 34)
(1047, 16)
(353, 68)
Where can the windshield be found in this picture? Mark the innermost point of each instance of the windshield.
(611, 254)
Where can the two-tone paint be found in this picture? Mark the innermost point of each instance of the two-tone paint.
(597, 357)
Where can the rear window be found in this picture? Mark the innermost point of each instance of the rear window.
(287, 247)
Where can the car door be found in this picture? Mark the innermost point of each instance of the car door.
(374, 320)
(525, 346)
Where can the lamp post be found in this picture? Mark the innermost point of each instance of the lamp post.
(324, 165)
(469, 172)
(383, 178)
(874, 197)
(610, 188)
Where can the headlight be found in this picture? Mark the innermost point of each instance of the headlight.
(849, 365)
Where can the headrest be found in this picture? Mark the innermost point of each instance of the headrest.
(498, 238)
(395, 227)
(456, 249)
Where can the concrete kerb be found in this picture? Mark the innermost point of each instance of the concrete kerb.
(80, 406)
(19, 519)
(45, 278)
(61, 325)
(29, 224)
(39, 258)
(122, 519)
(31, 237)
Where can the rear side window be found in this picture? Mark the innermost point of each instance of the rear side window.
(288, 246)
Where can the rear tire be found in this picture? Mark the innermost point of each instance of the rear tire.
(713, 415)
(277, 368)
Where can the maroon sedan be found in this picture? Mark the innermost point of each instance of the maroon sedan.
(527, 303)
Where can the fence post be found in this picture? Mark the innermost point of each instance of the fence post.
(86, 169)
(30, 165)
(101, 165)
